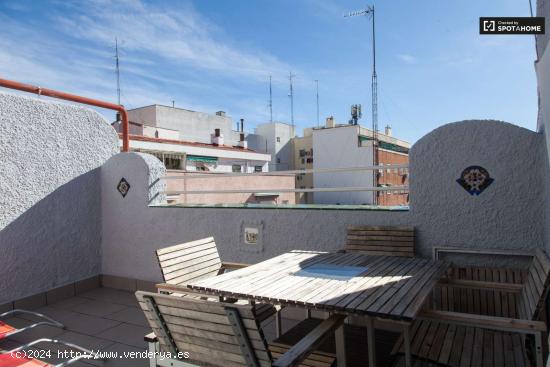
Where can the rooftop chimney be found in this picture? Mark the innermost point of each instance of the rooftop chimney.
(388, 130)
(220, 113)
(330, 122)
(242, 125)
(242, 142)
(217, 138)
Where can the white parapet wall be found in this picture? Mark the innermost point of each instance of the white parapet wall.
(506, 215)
(50, 225)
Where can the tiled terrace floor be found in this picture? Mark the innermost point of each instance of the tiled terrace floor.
(102, 319)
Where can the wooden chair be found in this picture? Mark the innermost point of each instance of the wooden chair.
(389, 241)
(456, 338)
(207, 333)
(195, 260)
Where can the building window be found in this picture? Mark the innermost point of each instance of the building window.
(309, 160)
(278, 139)
(302, 152)
(303, 161)
(257, 168)
(236, 168)
(278, 160)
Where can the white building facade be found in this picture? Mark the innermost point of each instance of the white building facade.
(275, 139)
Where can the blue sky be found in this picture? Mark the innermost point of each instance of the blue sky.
(433, 66)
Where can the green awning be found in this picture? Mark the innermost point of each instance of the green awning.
(198, 158)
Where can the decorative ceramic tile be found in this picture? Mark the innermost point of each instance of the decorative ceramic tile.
(475, 179)
(252, 236)
(123, 187)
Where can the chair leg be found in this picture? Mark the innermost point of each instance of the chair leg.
(278, 324)
(370, 341)
(340, 346)
(538, 350)
(407, 344)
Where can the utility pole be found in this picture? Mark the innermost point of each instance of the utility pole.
(317, 95)
(369, 11)
(270, 101)
(117, 72)
(291, 95)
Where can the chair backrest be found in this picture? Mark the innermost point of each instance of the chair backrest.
(535, 288)
(189, 261)
(389, 241)
(212, 333)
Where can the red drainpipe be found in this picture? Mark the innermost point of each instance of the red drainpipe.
(74, 98)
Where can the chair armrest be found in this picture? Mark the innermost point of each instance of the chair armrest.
(150, 338)
(476, 284)
(231, 265)
(304, 347)
(485, 322)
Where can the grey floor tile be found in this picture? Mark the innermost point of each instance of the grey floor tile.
(90, 342)
(112, 296)
(73, 321)
(68, 303)
(129, 315)
(127, 334)
(97, 308)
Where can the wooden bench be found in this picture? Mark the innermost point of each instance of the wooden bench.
(224, 334)
(388, 241)
(191, 261)
(459, 338)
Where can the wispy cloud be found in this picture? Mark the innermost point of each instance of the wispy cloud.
(181, 36)
(408, 59)
(167, 54)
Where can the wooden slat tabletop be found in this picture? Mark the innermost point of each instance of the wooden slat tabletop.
(384, 286)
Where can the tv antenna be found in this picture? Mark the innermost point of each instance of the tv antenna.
(117, 71)
(317, 97)
(291, 95)
(369, 11)
(270, 101)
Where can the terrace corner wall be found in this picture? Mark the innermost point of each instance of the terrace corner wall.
(132, 230)
(507, 215)
(50, 230)
(542, 67)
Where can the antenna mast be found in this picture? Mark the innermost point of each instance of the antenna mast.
(291, 95)
(270, 101)
(317, 95)
(369, 11)
(117, 72)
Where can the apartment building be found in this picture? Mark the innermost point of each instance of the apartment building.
(344, 146)
(274, 138)
(302, 151)
(193, 141)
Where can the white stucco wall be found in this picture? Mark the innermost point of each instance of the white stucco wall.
(542, 67)
(339, 148)
(132, 231)
(506, 215)
(50, 229)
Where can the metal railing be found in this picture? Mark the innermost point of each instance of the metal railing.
(213, 175)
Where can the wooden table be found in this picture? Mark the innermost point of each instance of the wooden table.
(373, 286)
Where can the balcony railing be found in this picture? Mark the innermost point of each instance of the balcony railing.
(379, 171)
